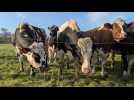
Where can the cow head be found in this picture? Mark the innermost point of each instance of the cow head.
(85, 45)
(72, 24)
(53, 34)
(25, 35)
(35, 55)
(27, 44)
(118, 31)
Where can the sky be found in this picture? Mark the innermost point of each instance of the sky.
(85, 20)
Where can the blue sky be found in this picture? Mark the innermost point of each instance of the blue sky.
(85, 20)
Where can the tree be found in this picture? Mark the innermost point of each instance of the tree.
(4, 32)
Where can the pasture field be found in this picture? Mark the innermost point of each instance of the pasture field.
(10, 76)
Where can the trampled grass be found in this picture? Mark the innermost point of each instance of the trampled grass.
(10, 76)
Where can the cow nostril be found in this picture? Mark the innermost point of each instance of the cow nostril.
(43, 62)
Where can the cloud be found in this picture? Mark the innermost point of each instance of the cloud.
(21, 15)
(105, 16)
(96, 16)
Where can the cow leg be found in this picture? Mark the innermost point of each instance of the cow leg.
(102, 68)
(103, 62)
(130, 65)
(68, 65)
(113, 61)
(21, 68)
(76, 70)
(129, 68)
(32, 72)
(93, 61)
(60, 57)
(60, 72)
(125, 65)
(42, 70)
(67, 62)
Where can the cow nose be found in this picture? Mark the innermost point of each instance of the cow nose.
(43, 62)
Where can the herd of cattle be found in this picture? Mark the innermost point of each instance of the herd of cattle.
(83, 48)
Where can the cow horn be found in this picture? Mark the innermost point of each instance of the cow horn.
(21, 27)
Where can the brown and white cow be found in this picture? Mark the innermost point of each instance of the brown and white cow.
(29, 42)
(85, 45)
(104, 39)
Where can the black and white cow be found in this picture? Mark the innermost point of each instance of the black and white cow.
(64, 42)
(29, 41)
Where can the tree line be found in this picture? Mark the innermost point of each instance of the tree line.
(5, 36)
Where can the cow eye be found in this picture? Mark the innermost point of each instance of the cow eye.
(36, 57)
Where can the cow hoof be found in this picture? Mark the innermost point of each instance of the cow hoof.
(21, 71)
(93, 72)
(76, 78)
(42, 77)
(60, 78)
(33, 74)
(30, 77)
(102, 74)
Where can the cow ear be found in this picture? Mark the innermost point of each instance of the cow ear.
(49, 28)
(24, 50)
(109, 25)
(57, 29)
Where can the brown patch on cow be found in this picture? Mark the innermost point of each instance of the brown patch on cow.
(24, 50)
(130, 24)
(130, 27)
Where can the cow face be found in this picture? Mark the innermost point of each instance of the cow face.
(53, 34)
(85, 44)
(36, 55)
(119, 29)
(24, 35)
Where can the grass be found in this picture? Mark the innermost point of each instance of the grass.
(10, 76)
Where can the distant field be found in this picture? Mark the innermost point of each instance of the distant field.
(10, 76)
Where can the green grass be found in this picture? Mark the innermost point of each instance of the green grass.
(10, 76)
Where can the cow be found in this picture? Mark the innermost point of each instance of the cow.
(64, 39)
(29, 42)
(70, 24)
(127, 48)
(104, 39)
